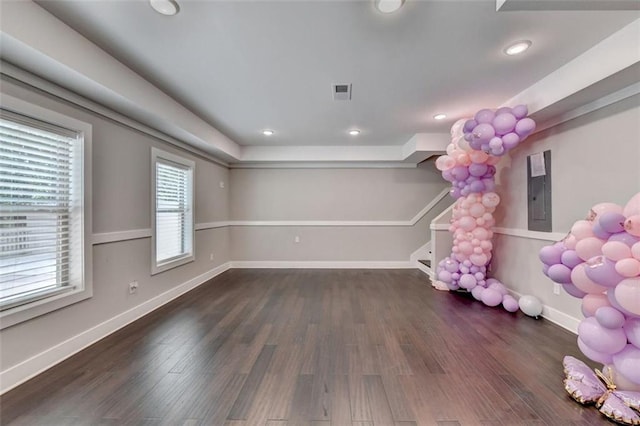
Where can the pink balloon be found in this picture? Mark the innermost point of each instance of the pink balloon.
(591, 303)
(589, 247)
(445, 162)
(594, 355)
(627, 294)
(627, 362)
(570, 242)
(628, 268)
(611, 297)
(633, 206)
(616, 250)
(632, 225)
(582, 229)
(635, 251)
(479, 259)
(478, 156)
(467, 223)
(490, 199)
(602, 208)
(601, 339)
(477, 210)
(579, 279)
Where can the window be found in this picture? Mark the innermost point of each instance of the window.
(173, 229)
(43, 220)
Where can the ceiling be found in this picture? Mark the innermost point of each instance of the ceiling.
(243, 66)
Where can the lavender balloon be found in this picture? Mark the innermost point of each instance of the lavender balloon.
(602, 271)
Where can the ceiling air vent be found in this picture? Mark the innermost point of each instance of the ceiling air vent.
(341, 92)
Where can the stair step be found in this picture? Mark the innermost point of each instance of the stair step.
(427, 263)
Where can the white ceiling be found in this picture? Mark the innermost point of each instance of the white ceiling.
(243, 66)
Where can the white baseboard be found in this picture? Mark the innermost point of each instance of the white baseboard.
(35, 365)
(555, 316)
(312, 264)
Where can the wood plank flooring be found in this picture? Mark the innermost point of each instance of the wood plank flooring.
(314, 348)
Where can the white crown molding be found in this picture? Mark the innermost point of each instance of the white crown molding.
(20, 373)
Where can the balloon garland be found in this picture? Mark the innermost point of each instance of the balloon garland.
(477, 146)
(599, 262)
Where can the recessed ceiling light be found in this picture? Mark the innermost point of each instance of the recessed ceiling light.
(517, 47)
(354, 132)
(440, 116)
(165, 7)
(388, 6)
(267, 132)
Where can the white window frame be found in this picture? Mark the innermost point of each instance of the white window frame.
(158, 155)
(82, 284)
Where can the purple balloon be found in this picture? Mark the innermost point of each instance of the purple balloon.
(601, 339)
(453, 286)
(524, 127)
(484, 116)
(489, 185)
(602, 271)
(560, 274)
(624, 237)
(609, 317)
(468, 137)
(510, 304)
(469, 125)
(477, 186)
(497, 151)
(570, 259)
(520, 111)
(477, 170)
(495, 142)
(631, 328)
(455, 193)
(474, 269)
(460, 172)
(483, 132)
(476, 292)
(599, 232)
(455, 276)
(503, 110)
(627, 362)
(611, 222)
(504, 123)
(550, 255)
(444, 276)
(491, 297)
(573, 290)
(468, 281)
(491, 171)
(510, 141)
(594, 355)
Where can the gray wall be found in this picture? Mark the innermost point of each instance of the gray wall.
(121, 202)
(332, 195)
(595, 158)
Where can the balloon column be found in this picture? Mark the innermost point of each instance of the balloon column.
(599, 262)
(477, 146)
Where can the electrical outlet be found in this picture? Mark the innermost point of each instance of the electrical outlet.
(210, 256)
(221, 184)
(296, 239)
(556, 288)
(133, 287)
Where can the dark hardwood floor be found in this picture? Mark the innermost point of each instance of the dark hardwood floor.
(313, 347)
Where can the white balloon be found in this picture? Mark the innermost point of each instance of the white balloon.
(530, 305)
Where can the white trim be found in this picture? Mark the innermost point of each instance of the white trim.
(113, 237)
(212, 225)
(532, 235)
(410, 222)
(20, 373)
(439, 226)
(322, 264)
(555, 316)
(424, 268)
(133, 234)
(420, 252)
(303, 164)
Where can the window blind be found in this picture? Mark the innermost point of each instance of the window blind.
(38, 199)
(174, 219)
